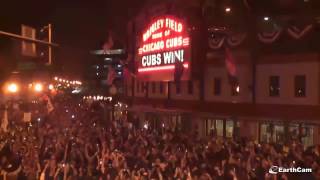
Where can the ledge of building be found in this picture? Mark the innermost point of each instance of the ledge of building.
(285, 112)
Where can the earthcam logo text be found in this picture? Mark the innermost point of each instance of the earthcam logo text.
(276, 170)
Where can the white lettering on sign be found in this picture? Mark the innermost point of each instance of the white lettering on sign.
(162, 23)
(154, 46)
(174, 42)
(153, 28)
(157, 35)
(151, 60)
(169, 57)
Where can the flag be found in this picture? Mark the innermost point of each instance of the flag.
(4, 122)
(108, 44)
(178, 71)
(111, 75)
(126, 73)
(231, 67)
(50, 106)
(230, 63)
(128, 67)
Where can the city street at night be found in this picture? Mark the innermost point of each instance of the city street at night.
(160, 90)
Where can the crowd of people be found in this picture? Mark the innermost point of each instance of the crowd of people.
(75, 142)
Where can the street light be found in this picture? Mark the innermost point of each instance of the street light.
(38, 87)
(227, 9)
(50, 86)
(12, 88)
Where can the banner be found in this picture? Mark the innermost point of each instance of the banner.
(27, 117)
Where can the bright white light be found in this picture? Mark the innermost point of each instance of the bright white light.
(145, 126)
(107, 59)
(39, 119)
(56, 78)
(227, 9)
(72, 116)
(238, 89)
(76, 91)
(13, 88)
(50, 86)
(38, 87)
(97, 74)
(266, 18)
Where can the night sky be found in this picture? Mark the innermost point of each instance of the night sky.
(78, 25)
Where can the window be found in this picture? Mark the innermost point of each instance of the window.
(300, 86)
(161, 87)
(190, 87)
(178, 88)
(235, 89)
(153, 87)
(214, 127)
(217, 86)
(270, 132)
(229, 128)
(274, 86)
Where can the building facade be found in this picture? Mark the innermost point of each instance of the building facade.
(276, 97)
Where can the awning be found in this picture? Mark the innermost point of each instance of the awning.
(155, 110)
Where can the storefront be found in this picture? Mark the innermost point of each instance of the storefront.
(221, 127)
(282, 132)
(159, 119)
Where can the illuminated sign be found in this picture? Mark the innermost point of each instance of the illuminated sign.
(164, 42)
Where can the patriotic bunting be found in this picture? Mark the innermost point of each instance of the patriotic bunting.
(269, 37)
(297, 33)
(234, 40)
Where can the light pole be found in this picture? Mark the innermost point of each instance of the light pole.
(49, 27)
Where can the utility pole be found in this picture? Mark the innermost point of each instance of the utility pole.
(50, 41)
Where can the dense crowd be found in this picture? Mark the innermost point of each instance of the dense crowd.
(74, 142)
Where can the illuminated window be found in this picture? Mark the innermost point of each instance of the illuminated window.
(270, 132)
(300, 86)
(153, 87)
(161, 88)
(214, 127)
(274, 86)
(178, 88)
(217, 86)
(190, 87)
(229, 128)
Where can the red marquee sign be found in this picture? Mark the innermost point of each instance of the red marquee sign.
(164, 42)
